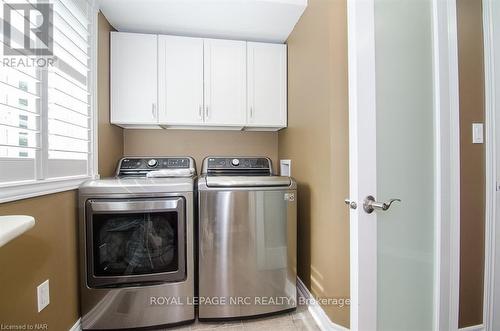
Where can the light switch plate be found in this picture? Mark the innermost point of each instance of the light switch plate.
(477, 133)
(43, 295)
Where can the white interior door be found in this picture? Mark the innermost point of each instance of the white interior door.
(392, 155)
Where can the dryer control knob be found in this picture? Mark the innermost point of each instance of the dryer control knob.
(152, 163)
(235, 162)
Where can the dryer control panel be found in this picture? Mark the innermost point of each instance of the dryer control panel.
(140, 166)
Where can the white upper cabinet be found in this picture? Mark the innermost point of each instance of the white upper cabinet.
(267, 86)
(225, 82)
(134, 83)
(183, 82)
(180, 80)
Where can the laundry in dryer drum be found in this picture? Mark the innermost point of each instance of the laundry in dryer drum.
(135, 245)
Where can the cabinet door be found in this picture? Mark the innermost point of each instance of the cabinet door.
(225, 82)
(180, 82)
(266, 85)
(134, 72)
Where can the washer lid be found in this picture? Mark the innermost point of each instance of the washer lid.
(137, 186)
(247, 181)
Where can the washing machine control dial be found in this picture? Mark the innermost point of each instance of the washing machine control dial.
(235, 162)
(152, 163)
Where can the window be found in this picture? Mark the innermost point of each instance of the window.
(46, 107)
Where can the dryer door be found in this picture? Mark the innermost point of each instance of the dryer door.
(135, 241)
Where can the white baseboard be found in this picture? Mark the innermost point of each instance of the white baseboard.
(77, 326)
(319, 315)
(479, 327)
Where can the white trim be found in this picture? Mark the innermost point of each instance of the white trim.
(479, 327)
(319, 315)
(447, 167)
(490, 104)
(94, 162)
(493, 86)
(77, 326)
(41, 187)
(362, 133)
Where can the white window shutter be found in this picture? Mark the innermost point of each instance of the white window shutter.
(46, 124)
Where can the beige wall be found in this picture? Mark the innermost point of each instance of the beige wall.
(317, 142)
(49, 250)
(200, 144)
(472, 162)
(110, 136)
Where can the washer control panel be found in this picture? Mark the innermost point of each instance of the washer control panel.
(152, 163)
(237, 165)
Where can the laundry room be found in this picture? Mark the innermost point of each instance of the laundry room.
(243, 165)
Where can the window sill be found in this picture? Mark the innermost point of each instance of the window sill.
(30, 189)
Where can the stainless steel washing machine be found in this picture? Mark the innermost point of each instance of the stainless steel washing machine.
(136, 245)
(247, 239)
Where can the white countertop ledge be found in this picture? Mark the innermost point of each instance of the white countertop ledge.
(13, 226)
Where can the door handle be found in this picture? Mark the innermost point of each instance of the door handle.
(370, 204)
(351, 204)
(153, 110)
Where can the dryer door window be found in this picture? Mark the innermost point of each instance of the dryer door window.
(135, 241)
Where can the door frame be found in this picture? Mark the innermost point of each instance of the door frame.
(491, 73)
(447, 168)
(361, 77)
(362, 101)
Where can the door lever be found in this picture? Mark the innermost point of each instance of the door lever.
(370, 204)
(351, 204)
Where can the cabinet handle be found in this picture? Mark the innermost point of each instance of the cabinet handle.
(200, 112)
(206, 112)
(251, 112)
(153, 110)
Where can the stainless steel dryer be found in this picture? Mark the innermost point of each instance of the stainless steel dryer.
(136, 245)
(247, 239)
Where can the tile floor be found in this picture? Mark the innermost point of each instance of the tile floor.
(298, 320)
